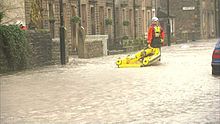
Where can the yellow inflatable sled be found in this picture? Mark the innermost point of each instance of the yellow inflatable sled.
(142, 58)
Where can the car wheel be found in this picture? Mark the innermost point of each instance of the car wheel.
(214, 72)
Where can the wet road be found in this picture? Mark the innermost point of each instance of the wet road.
(180, 89)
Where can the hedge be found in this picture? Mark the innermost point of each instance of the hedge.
(14, 46)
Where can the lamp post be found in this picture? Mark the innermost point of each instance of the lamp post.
(114, 23)
(217, 16)
(62, 36)
(155, 6)
(81, 34)
(134, 9)
(168, 23)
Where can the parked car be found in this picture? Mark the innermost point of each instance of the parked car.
(216, 59)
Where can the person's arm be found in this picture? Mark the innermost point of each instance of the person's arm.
(149, 36)
(162, 35)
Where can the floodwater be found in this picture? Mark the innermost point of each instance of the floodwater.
(179, 89)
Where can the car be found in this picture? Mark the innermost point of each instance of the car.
(216, 59)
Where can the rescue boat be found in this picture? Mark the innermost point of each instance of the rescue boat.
(144, 57)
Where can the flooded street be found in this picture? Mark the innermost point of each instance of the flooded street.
(179, 89)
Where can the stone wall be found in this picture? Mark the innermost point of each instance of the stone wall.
(40, 48)
(93, 49)
(102, 38)
(43, 51)
(95, 46)
(56, 51)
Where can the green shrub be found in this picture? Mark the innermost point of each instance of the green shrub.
(14, 46)
(108, 21)
(75, 19)
(126, 23)
(125, 37)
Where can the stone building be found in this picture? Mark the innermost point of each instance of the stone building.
(93, 15)
(184, 18)
(191, 19)
(137, 13)
(217, 17)
(131, 18)
(13, 10)
(207, 16)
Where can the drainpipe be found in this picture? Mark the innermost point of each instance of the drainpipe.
(81, 34)
(168, 23)
(114, 23)
(217, 17)
(134, 8)
(62, 36)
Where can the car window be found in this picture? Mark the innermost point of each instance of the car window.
(217, 44)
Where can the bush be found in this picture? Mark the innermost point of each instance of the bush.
(125, 37)
(14, 46)
(75, 19)
(126, 23)
(108, 21)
